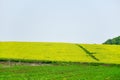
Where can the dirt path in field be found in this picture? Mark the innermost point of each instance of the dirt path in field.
(88, 52)
(10, 64)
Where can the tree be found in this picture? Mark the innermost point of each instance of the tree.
(115, 40)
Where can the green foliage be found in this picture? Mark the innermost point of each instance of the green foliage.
(115, 40)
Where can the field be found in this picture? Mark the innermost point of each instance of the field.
(64, 52)
(60, 72)
(43, 52)
(105, 53)
(59, 61)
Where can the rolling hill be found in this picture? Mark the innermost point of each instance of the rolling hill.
(64, 52)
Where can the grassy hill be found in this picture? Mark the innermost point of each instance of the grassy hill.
(65, 52)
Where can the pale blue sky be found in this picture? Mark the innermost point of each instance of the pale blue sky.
(80, 21)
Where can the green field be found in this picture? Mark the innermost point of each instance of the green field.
(59, 61)
(60, 72)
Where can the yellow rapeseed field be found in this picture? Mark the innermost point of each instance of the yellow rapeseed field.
(48, 51)
(43, 51)
(105, 53)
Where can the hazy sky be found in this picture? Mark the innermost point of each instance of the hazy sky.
(80, 21)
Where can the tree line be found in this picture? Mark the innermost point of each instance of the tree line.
(115, 40)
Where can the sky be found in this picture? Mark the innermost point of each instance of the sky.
(77, 21)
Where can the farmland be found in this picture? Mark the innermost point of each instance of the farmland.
(60, 72)
(43, 51)
(64, 52)
(105, 53)
(58, 61)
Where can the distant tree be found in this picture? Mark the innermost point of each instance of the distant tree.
(115, 40)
